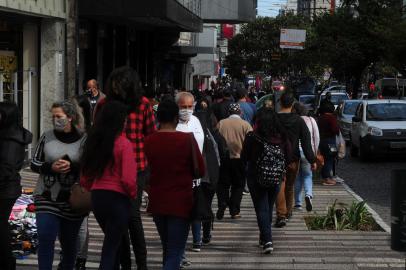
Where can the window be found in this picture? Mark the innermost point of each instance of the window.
(386, 112)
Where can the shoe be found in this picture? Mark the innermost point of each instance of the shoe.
(237, 216)
(289, 216)
(80, 264)
(206, 240)
(246, 192)
(261, 243)
(196, 247)
(298, 207)
(309, 205)
(185, 263)
(280, 222)
(268, 248)
(329, 182)
(220, 213)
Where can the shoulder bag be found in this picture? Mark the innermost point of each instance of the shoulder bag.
(80, 199)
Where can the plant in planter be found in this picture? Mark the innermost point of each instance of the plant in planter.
(340, 217)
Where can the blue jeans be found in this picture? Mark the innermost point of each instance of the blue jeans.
(50, 226)
(173, 232)
(326, 171)
(196, 231)
(264, 200)
(303, 179)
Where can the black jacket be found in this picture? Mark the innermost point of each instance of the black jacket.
(12, 153)
(296, 130)
(220, 110)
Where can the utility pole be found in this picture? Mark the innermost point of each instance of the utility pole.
(72, 49)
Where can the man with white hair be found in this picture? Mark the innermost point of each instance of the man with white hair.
(190, 123)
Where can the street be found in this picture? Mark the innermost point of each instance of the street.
(371, 181)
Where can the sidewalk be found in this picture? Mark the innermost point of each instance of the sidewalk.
(235, 242)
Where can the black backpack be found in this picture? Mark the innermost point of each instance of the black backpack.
(270, 166)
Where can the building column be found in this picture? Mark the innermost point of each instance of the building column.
(52, 68)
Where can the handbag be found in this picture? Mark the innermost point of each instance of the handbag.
(319, 156)
(341, 146)
(201, 210)
(80, 199)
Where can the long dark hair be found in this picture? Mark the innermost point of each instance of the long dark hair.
(268, 124)
(98, 149)
(9, 115)
(123, 84)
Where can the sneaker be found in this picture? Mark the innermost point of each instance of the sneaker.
(298, 207)
(185, 263)
(309, 205)
(329, 182)
(220, 213)
(280, 222)
(196, 247)
(246, 191)
(289, 216)
(261, 243)
(268, 248)
(80, 264)
(206, 240)
(237, 216)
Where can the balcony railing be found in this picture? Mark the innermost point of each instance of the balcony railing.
(195, 6)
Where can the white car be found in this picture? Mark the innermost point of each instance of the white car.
(379, 128)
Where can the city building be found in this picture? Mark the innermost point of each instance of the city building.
(142, 34)
(312, 7)
(32, 51)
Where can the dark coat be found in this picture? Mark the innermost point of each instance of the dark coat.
(12, 153)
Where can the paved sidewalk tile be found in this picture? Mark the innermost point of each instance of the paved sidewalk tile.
(235, 242)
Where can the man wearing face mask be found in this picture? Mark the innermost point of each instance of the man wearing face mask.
(191, 124)
(93, 92)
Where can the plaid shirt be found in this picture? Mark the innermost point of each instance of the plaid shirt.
(140, 124)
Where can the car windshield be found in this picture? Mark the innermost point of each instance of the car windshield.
(307, 99)
(350, 108)
(337, 99)
(386, 112)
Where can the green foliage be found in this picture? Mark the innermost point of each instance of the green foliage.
(339, 217)
(358, 34)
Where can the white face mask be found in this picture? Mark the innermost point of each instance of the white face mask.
(185, 114)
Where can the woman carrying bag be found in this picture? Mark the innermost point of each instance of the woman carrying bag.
(174, 161)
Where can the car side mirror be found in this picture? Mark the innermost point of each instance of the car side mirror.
(356, 119)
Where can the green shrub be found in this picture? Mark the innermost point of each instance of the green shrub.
(340, 217)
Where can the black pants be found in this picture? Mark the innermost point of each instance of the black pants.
(6, 257)
(232, 175)
(111, 210)
(136, 231)
(208, 191)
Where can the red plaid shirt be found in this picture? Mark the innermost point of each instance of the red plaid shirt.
(140, 124)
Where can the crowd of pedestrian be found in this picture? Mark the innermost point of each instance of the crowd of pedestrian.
(180, 149)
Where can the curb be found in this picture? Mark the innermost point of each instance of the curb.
(374, 214)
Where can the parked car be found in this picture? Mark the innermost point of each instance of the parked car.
(391, 88)
(335, 88)
(345, 112)
(363, 95)
(309, 101)
(336, 98)
(379, 128)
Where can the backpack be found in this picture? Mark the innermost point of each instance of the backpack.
(270, 166)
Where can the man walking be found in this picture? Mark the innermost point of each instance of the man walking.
(94, 94)
(232, 171)
(296, 130)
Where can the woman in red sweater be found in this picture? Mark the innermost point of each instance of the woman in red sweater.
(109, 171)
(169, 155)
(328, 128)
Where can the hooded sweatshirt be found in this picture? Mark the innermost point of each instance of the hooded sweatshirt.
(12, 153)
(296, 130)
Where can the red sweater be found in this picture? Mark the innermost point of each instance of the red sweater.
(328, 126)
(122, 176)
(170, 159)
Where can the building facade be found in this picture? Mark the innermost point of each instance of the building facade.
(311, 8)
(32, 51)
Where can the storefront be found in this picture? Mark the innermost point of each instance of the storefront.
(32, 46)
